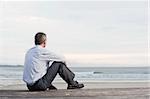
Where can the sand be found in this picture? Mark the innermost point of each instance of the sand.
(89, 85)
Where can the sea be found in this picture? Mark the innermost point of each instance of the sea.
(12, 74)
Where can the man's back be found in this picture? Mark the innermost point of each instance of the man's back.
(34, 67)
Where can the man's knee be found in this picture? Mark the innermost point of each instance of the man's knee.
(57, 64)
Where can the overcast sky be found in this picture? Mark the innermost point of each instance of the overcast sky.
(100, 33)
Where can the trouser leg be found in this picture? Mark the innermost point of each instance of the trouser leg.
(64, 72)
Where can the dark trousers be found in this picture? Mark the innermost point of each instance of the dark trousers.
(57, 67)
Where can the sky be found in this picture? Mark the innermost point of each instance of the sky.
(87, 33)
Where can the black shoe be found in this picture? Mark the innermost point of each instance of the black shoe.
(75, 86)
(52, 87)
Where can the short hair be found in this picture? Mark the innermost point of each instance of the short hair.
(40, 37)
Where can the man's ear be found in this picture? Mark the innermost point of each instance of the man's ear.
(44, 44)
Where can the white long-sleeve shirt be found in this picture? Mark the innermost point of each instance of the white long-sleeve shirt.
(37, 60)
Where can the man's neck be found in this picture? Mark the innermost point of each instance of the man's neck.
(42, 46)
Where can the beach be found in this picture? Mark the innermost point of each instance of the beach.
(92, 90)
(103, 42)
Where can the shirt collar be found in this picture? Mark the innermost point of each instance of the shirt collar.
(39, 46)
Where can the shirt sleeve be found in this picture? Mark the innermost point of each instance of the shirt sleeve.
(50, 56)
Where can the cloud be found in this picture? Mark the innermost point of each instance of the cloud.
(109, 58)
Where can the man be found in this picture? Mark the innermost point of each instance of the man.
(42, 66)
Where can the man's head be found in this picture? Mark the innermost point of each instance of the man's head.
(40, 39)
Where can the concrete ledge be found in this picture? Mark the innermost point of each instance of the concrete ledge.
(109, 93)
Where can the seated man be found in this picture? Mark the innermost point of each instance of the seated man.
(42, 66)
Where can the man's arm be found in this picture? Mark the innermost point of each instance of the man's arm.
(50, 56)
